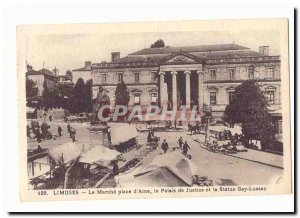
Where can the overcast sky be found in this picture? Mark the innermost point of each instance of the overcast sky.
(70, 51)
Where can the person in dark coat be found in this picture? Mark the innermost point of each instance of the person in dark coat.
(68, 127)
(180, 142)
(28, 130)
(149, 137)
(50, 118)
(59, 130)
(115, 168)
(164, 146)
(73, 134)
(38, 136)
(185, 148)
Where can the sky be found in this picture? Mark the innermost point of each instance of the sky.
(70, 51)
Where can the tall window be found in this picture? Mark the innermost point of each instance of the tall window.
(153, 98)
(230, 96)
(270, 73)
(120, 77)
(213, 98)
(270, 96)
(137, 99)
(213, 74)
(136, 77)
(278, 127)
(103, 78)
(250, 73)
(153, 76)
(231, 73)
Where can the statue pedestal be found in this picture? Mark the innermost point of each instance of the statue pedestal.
(98, 135)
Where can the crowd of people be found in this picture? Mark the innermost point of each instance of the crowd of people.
(42, 132)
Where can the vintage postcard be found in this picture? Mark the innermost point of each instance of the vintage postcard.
(154, 109)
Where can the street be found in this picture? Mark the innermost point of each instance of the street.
(223, 169)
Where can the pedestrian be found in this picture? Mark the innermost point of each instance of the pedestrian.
(149, 137)
(68, 127)
(38, 136)
(185, 148)
(28, 130)
(50, 118)
(180, 142)
(73, 134)
(59, 130)
(165, 146)
(115, 168)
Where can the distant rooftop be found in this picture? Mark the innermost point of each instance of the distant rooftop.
(198, 48)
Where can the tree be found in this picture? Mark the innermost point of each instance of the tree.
(158, 44)
(88, 96)
(79, 96)
(31, 88)
(46, 96)
(122, 96)
(250, 108)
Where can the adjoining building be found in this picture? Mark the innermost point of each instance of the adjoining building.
(41, 76)
(85, 72)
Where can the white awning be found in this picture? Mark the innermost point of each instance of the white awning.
(99, 155)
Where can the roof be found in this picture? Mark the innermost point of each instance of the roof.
(198, 48)
(40, 72)
(83, 69)
(176, 163)
(99, 155)
(65, 153)
(46, 71)
(204, 55)
(118, 135)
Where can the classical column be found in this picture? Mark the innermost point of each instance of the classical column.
(200, 89)
(174, 88)
(188, 89)
(161, 87)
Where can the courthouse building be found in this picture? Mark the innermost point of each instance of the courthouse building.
(205, 76)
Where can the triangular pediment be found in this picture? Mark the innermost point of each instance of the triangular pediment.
(182, 57)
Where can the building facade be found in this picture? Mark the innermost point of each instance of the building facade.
(195, 75)
(41, 76)
(84, 72)
(202, 76)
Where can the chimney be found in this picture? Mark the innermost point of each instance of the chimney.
(29, 68)
(115, 56)
(88, 65)
(55, 71)
(264, 50)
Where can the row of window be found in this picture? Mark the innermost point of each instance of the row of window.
(137, 98)
(270, 94)
(231, 73)
(120, 77)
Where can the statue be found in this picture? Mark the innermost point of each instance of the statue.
(101, 100)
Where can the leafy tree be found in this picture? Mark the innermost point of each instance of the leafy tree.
(122, 96)
(46, 96)
(88, 96)
(158, 44)
(78, 96)
(250, 108)
(31, 88)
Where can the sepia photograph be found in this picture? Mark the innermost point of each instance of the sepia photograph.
(125, 111)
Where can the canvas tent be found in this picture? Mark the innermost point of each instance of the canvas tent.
(167, 170)
(99, 155)
(65, 153)
(122, 132)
